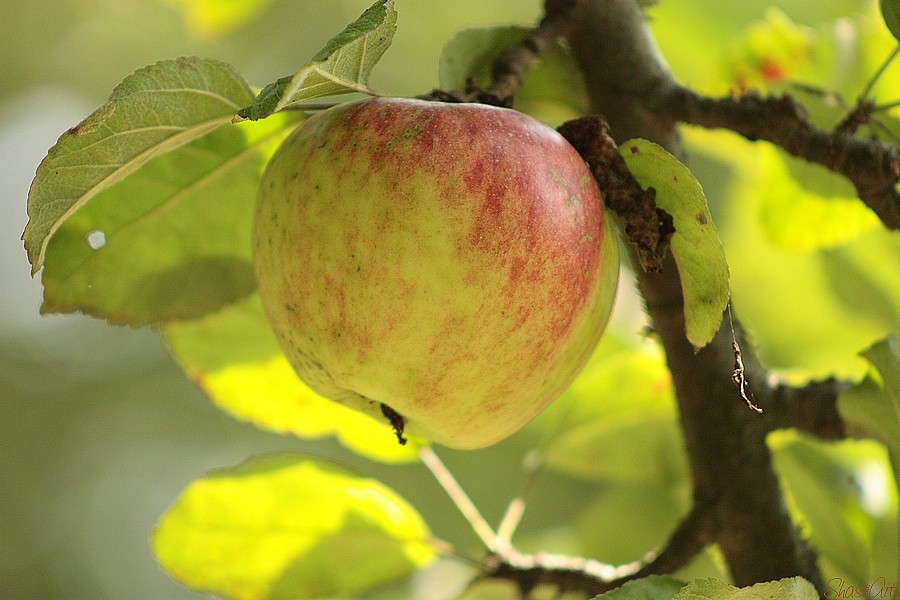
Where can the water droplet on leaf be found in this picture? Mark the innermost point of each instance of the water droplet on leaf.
(96, 239)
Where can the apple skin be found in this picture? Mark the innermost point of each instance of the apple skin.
(450, 261)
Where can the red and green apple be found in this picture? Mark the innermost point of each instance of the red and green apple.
(447, 266)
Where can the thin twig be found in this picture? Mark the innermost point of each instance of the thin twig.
(462, 501)
(878, 73)
(516, 509)
(510, 67)
(573, 573)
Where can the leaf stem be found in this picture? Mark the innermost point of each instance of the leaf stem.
(886, 106)
(459, 497)
(879, 73)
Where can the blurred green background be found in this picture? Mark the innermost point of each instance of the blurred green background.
(100, 430)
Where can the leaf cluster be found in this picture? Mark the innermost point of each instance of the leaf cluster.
(141, 215)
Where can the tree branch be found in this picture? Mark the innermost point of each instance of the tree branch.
(737, 499)
(872, 166)
(568, 574)
(510, 67)
(649, 229)
(731, 466)
(812, 408)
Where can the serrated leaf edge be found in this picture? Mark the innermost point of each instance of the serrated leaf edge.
(312, 68)
(223, 168)
(320, 65)
(168, 145)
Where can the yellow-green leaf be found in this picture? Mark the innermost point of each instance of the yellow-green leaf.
(342, 66)
(293, 527)
(794, 588)
(234, 357)
(491, 589)
(646, 514)
(605, 450)
(872, 407)
(805, 206)
(696, 246)
(624, 393)
(171, 240)
(840, 494)
(152, 112)
(654, 587)
(885, 356)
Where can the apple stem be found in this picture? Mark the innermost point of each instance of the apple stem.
(459, 497)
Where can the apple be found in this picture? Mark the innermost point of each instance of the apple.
(447, 267)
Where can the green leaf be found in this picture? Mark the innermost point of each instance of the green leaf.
(234, 357)
(595, 440)
(502, 589)
(491, 589)
(696, 246)
(804, 206)
(171, 240)
(885, 357)
(794, 588)
(152, 112)
(630, 376)
(840, 494)
(605, 449)
(470, 53)
(649, 588)
(872, 408)
(552, 91)
(890, 10)
(342, 66)
(646, 513)
(289, 527)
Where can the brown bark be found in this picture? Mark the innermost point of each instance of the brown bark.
(734, 482)
(737, 500)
